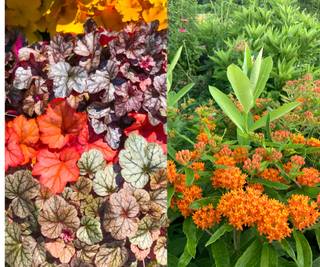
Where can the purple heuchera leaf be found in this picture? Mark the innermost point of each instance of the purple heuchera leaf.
(128, 99)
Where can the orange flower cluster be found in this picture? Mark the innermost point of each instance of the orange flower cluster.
(246, 208)
(272, 175)
(298, 139)
(309, 178)
(190, 193)
(313, 142)
(302, 213)
(203, 137)
(288, 167)
(297, 161)
(183, 157)
(281, 135)
(206, 217)
(238, 152)
(224, 160)
(230, 178)
(197, 166)
(256, 117)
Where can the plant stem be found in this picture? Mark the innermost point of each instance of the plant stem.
(208, 231)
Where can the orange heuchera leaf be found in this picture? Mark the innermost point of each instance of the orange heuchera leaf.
(28, 132)
(59, 123)
(56, 169)
(88, 139)
(13, 152)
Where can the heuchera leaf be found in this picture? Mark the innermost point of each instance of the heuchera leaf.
(56, 215)
(82, 188)
(66, 79)
(160, 250)
(139, 159)
(119, 216)
(91, 162)
(60, 46)
(39, 252)
(67, 253)
(23, 78)
(17, 252)
(143, 238)
(158, 179)
(86, 252)
(159, 197)
(112, 257)
(21, 187)
(139, 253)
(59, 123)
(57, 168)
(13, 152)
(28, 132)
(55, 246)
(128, 98)
(89, 140)
(107, 180)
(90, 232)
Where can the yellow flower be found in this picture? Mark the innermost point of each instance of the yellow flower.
(129, 9)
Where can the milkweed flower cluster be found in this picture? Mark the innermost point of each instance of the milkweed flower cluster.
(206, 217)
(310, 177)
(230, 178)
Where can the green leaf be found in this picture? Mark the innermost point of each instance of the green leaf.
(82, 188)
(286, 246)
(214, 200)
(268, 128)
(143, 237)
(269, 183)
(180, 94)
(228, 107)
(189, 176)
(251, 256)
(21, 187)
(172, 260)
(170, 193)
(106, 181)
(254, 75)
(311, 192)
(225, 227)
(317, 232)
(17, 252)
(271, 193)
(265, 69)
(304, 253)
(316, 262)
(139, 159)
(190, 230)
(90, 231)
(185, 258)
(241, 86)
(277, 113)
(90, 162)
(174, 61)
(269, 256)
(247, 64)
(220, 253)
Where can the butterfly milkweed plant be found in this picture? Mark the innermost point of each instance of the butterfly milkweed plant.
(85, 143)
(243, 174)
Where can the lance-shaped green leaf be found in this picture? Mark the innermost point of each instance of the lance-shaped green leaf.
(120, 216)
(81, 188)
(90, 232)
(112, 257)
(241, 86)
(158, 179)
(269, 256)
(160, 250)
(17, 252)
(139, 159)
(225, 227)
(56, 215)
(304, 253)
(86, 252)
(228, 107)
(277, 113)
(91, 162)
(143, 238)
(142, 196)
(107, 180)
(21, 187)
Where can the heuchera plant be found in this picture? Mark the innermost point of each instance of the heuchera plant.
(85, 148)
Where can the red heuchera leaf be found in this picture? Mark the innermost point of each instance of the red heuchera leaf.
(89, 140)
(56, 169)
(142, 126)
(59, 123)
(13, 152)
(28, 132)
